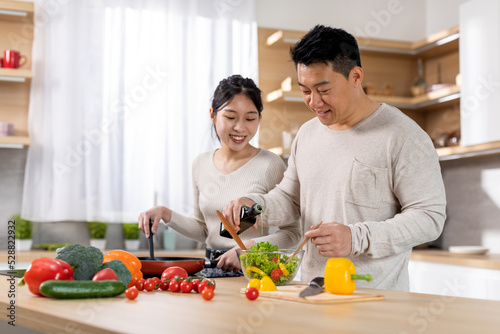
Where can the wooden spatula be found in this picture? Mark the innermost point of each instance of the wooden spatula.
(303, 243)
(231, 231)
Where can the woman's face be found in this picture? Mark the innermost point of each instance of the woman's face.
(236, 123)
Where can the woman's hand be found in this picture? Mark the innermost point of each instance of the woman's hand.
(156, 214)
(229, 261)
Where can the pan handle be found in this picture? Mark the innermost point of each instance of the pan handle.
(211, 263)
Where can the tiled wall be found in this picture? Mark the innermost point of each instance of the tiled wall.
(472, 190)
(473, 195)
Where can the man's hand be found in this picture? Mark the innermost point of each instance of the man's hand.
(233, 209)
(332, 239)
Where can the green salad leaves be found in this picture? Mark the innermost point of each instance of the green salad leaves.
(267, 257)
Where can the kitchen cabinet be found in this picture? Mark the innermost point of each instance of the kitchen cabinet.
(390, 72)
(16, 33)
(454, 280)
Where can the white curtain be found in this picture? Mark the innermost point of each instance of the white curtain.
(120, 100)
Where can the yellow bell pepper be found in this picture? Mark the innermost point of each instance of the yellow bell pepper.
(267, 284)
(254, 283)
(283, 269)
(340, 274)
(249, 269)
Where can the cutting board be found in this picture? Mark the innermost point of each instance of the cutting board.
(291, 293)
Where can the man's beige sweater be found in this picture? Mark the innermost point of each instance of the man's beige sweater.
(381, 178)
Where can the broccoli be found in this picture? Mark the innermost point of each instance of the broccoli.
(86, 261)
(120, 270)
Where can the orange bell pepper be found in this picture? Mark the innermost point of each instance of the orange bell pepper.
(132, 263)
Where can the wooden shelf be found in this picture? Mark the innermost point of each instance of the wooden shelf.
(460, 152)
(434, 45)
(420, 103)
(14, 141)
(15, 74)
(16, 10)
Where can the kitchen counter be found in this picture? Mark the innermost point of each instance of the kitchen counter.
(231, 312)
(486, 261)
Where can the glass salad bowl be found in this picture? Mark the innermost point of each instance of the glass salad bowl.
(257, 263)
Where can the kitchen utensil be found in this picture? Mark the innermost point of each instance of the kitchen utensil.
(151, 242)
(154, 266)
(291, 293)
(314, 288)
(304, 242)
(13, 59)
(231, 231)
(15, 272)
(258, 259)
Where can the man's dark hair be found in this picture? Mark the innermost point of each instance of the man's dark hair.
(330, 46)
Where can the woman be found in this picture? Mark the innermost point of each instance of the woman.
(237, 168)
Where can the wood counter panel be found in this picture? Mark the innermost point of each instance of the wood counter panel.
(231, 312)
(487, 261)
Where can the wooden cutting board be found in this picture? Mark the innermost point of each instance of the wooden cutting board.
(291, 293)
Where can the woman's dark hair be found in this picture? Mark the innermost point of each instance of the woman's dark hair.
(236, 85)
(330, 46)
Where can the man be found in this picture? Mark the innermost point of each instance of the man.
(369, 172)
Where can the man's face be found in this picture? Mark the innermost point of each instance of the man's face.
(328, 94)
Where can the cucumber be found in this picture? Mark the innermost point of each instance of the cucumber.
(81, 289)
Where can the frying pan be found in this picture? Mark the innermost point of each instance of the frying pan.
(154, 267)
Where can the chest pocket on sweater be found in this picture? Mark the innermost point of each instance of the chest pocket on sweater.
(365, 185)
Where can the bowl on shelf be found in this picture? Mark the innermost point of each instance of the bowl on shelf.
(253, 262)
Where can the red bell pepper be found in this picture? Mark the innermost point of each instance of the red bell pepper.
(44, 269)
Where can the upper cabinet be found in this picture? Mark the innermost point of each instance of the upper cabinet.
(391, 75)
(480, 69)
(16, 33)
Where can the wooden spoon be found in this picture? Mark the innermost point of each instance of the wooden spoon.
(231, 231)
(306, 239)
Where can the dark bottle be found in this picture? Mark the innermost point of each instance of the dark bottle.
(248, 217)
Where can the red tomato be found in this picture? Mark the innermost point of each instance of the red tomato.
(206, 284)
(140, 284)
(105, 274)
(173, 272)
(163, 286)
(131, 293)
(196, 283)
(149, 285)
(207, 294)
(252, 293)
(274, 259)
(174, 286)
(186, 286)
(276, 274)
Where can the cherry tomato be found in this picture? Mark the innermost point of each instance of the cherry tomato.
(131, 293)
(140, 284)
(207, 294)
(206, 284)
(149, 285)
(157, 281)
(163, 286)
(196, 282)
(186, 286)
(173, 272)
(174, 286)
(274, 259)
(252, 293)
(276, 274)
